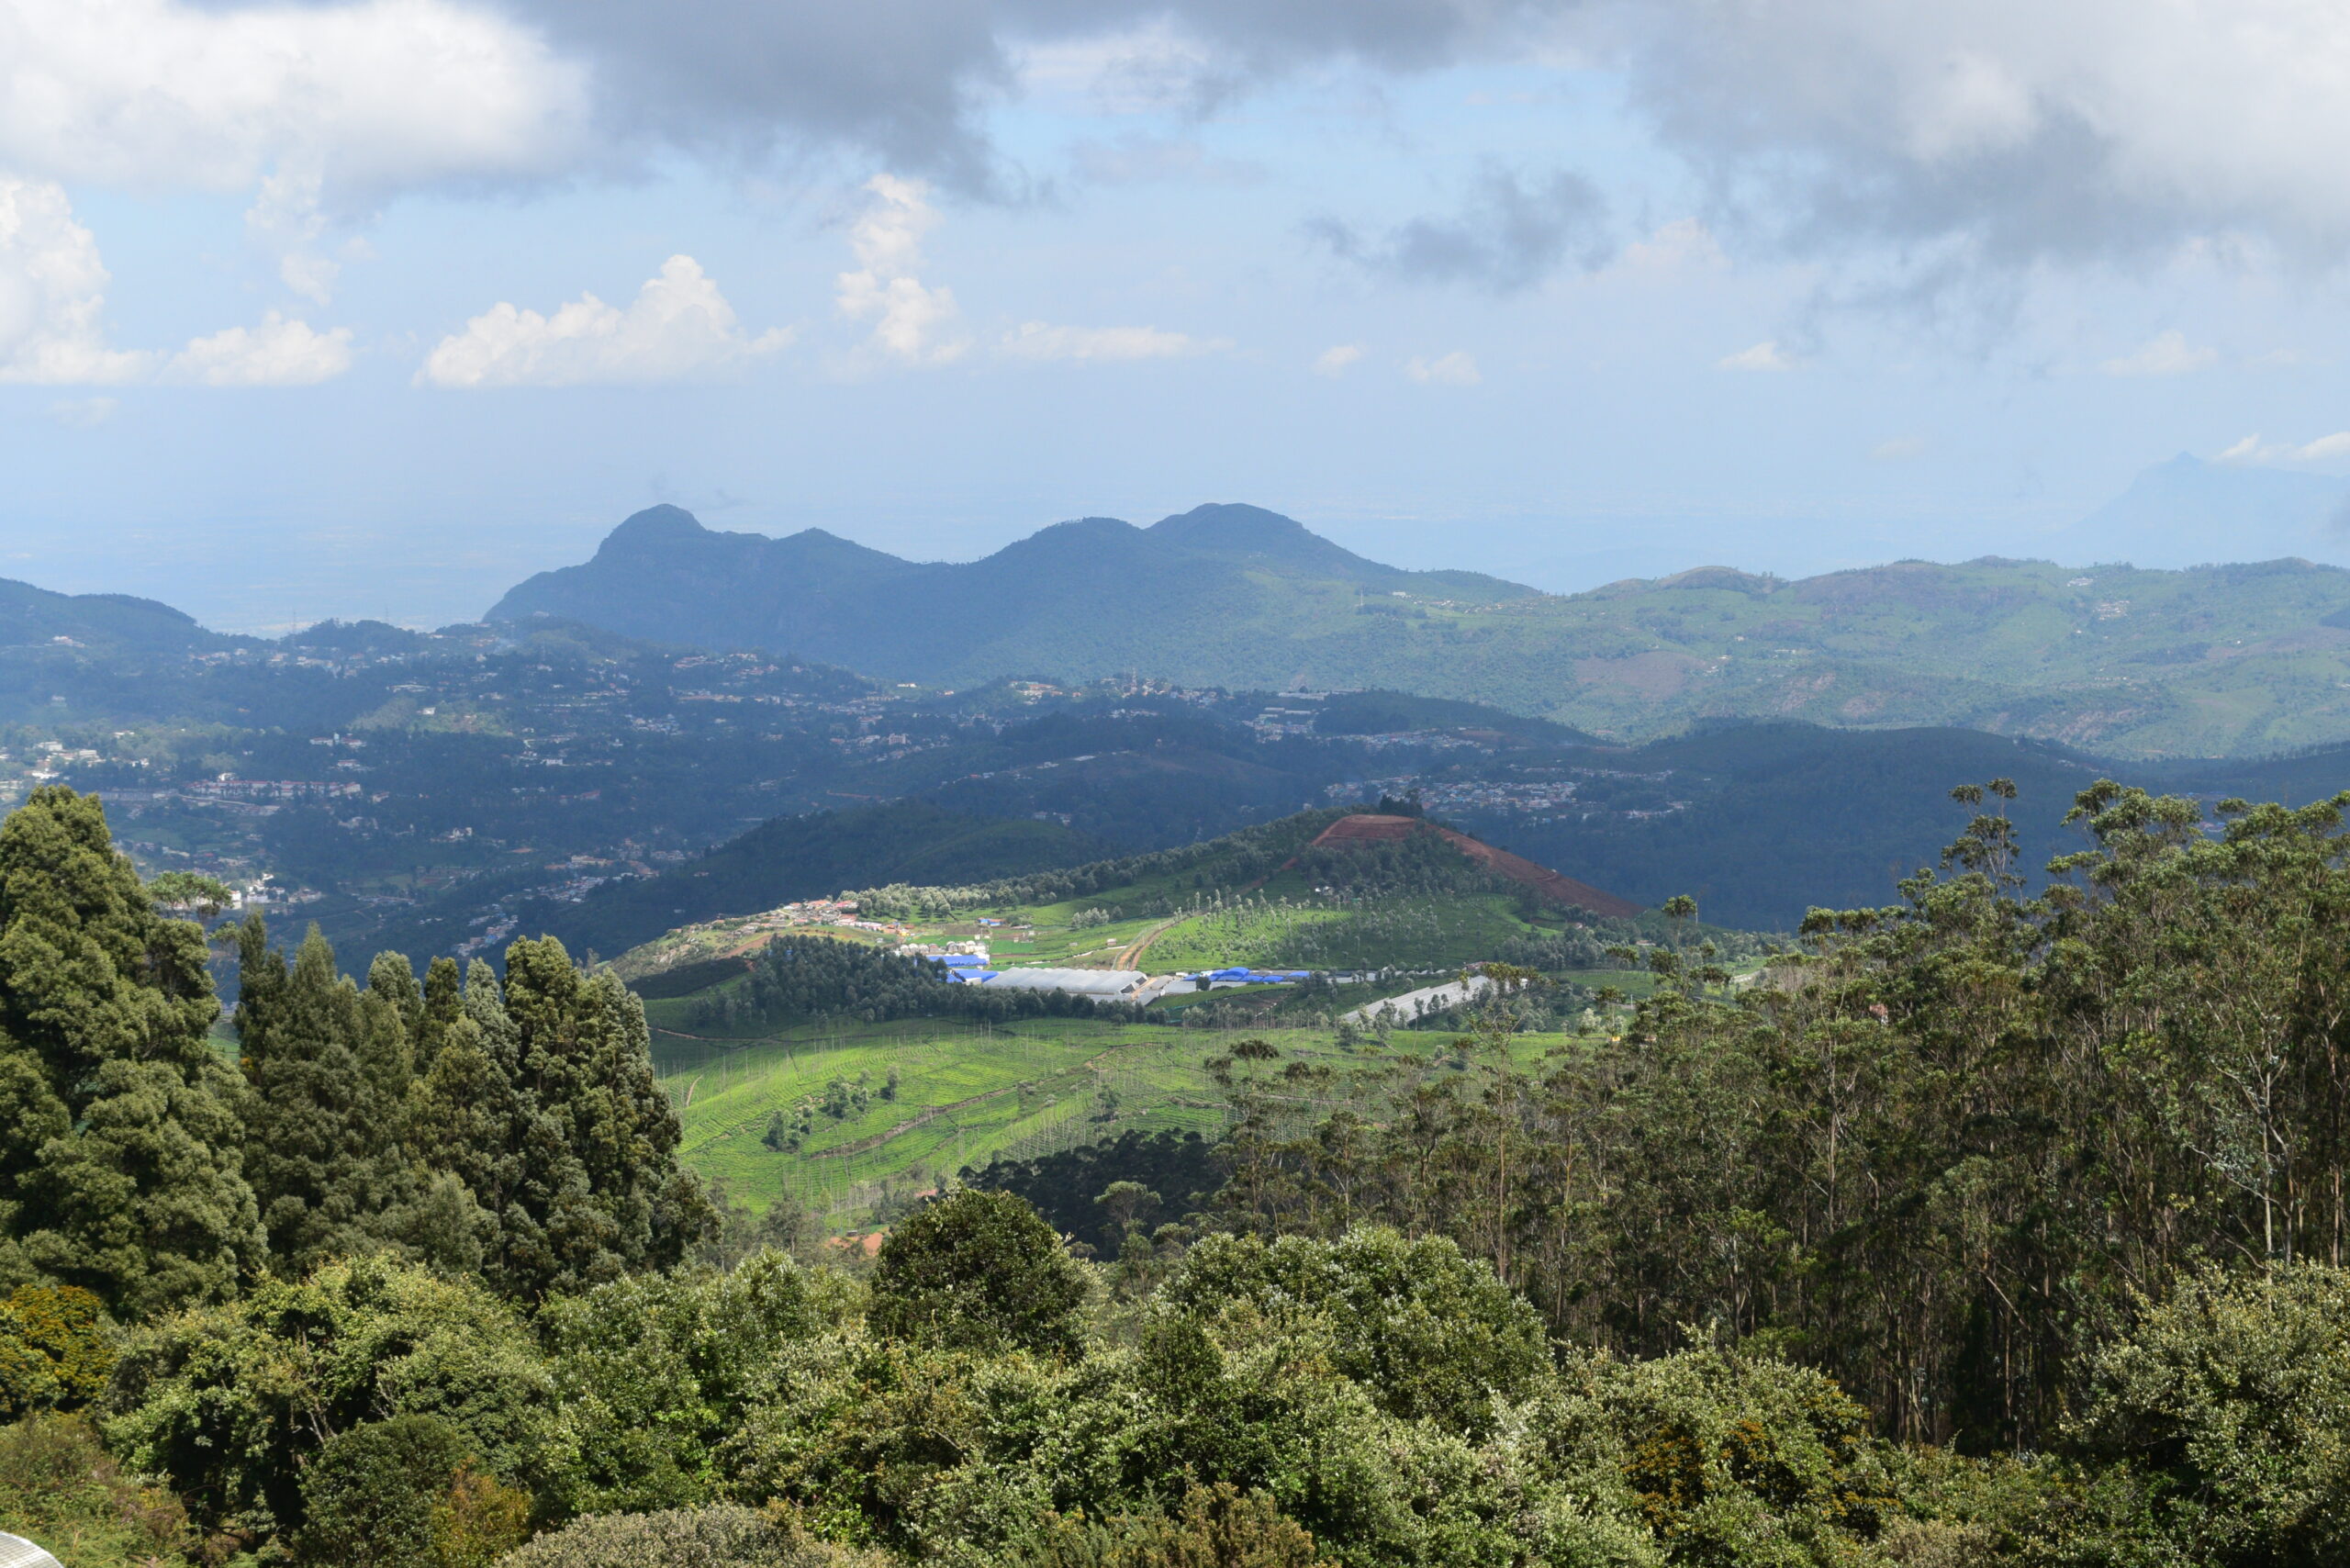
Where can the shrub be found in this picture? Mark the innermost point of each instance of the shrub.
(979, 1270)
(59, 1487)
(56, 1349)
(1426, 1331)
(369, 1496)
(1217, 1527)
(723, 1537)
(2229, 1405)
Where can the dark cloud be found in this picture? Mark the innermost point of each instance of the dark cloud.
(909, 81)
(1509, 235)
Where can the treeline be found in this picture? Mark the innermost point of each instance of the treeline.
(1094, 1193)
(510, 1131)
(1238, 859)
(1938, 1153)
(803, 980)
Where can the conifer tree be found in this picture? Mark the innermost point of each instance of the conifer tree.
(326, 1070)
(119, 1140)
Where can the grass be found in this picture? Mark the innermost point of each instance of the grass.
(965, 1097)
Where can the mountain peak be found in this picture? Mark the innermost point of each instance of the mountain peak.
(659, 525)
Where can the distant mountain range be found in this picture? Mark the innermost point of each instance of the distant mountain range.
(2205, 661)
(1096, 595)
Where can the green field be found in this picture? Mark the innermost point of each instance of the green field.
(964, 1096)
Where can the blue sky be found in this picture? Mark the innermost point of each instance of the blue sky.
(371, 309)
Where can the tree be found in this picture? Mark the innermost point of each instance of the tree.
(980, 1270)
(542, 1100)
(120, 1164)
(326, 1067)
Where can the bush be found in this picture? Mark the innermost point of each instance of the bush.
(56, 1349)
(59, 1487)
(229, 1404)
(657, 1371)
(1217, 1527)
(979, 1270)
(370, 1495)
(2229, 1404)
(1426, 1331)
(725, 1537)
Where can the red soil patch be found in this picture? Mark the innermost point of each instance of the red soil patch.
(1553, 887)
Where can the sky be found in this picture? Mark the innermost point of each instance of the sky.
(372, 309)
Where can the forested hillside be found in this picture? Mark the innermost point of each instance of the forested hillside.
(2206, 661)
(1985, 1229)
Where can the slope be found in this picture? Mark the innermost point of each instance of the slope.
(2207, 660)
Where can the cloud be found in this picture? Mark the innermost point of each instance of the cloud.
(1764, 356)
(52, 312)
(910, 321)
(2166, 353)
(1897, 448)
(1035, 339)
(1454, 369)
(278, 352)
(53, 294)
(679, 328)
(2253, 449)
(371, 97)
(1337, 359)
(2021, 130)
(1508, 235)
(911, 82)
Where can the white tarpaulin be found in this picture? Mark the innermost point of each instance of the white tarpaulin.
(15, 1551)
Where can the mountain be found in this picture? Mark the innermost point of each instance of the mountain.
(2188, 511)
(1084, 598)
(811, 857)
(107, 623)
(2126, 660)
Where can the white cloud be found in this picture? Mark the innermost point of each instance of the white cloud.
(371, 96)
(910, 320)
(1897, 448)
(2166, 353)
(1337, 359)
(278, 352)
(53, 316)
(53, 294)
(679, 328)
(2252, 450)
(1455, 369)
(2029, 130)
(1036, 340)
(1764, 356)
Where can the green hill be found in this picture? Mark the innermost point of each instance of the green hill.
(2205, 661)
(817, 855)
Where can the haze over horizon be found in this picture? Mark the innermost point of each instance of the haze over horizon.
(393, 304)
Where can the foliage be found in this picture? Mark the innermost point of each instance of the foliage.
(657, 1372)
(1216, 1526)
(542, 1104)
(724, 1536)
(368, 1496)
(327, 1068)
(57, 1349)
(229, 1402)
(1178, 1169)
(2229, 1404)
(59, 1487)
(796, 980)
(978, 1269)
(119, 1136)
(1433, 1335)
(1929, 1154)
